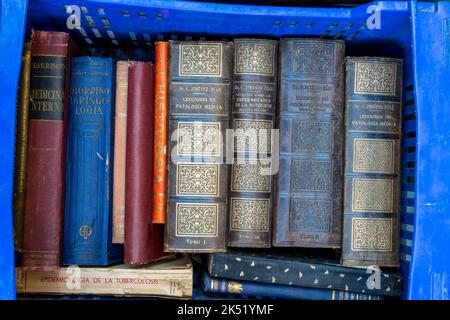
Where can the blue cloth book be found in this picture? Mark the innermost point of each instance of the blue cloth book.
(247, 289)
(88, 215)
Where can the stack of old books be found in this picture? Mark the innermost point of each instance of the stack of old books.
(277, 161)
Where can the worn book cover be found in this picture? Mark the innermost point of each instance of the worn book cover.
(254, 94)
(308, 196)
(305, 268)
(372, 161)
(200, 74)
(20, 159)
(46, 150)
(249, 289)
(171, 278)
(88, 216)
(120, 142)
(139, 164)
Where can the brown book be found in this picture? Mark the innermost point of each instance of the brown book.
(120, 135)
(200, 76)
(160, 141)
(21, 146)
(139, 164)
(372, 162)
(308, 196)
(46, 150)
(254, 96)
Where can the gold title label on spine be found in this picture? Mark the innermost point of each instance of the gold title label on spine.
(373, 195)
(197, 179)
(254, 58)
(47, 87)
(372, 234)
(197, 219)
(200, 60)
(376, 78)
(249, 214)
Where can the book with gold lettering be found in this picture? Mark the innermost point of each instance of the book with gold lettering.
(46, 150)
(308, 196)
(372, 161)
(244, 289)
(89, 184)
(20, 164)
(253, 118)
(172, 278)
(200, 75)
(160, 132)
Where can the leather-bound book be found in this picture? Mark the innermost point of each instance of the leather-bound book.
(200, 74)
(139, 164)
(308, 209)
(89, 184)
(20, 161)
(46, 150)
(160, 140)
(120, 136)
(253, 118)
(372, 161)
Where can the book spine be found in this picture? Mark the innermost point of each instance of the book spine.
(88, 216)
(253, 118)
(139, 164)
(303, 273)
(120, 135)
(107, 281)
(372, 162)
(200, 75)
(20, 164)
(160, 141)
(309, 183)
(249, 288)
(44, 186)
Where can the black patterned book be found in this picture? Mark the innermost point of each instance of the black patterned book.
(303, 268)
(253, 118)
(308, 195)
(372, 161)
(200, 74)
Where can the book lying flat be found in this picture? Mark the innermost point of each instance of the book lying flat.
(170, 278)
(277, 291)
(304, 269)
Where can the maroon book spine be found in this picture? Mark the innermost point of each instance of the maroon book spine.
(139, 240)
(46, 150)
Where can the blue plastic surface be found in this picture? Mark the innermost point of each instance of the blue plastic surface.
(12, 22)
(417, 32)
(430, 264)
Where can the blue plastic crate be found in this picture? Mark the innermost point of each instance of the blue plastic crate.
(415, 31)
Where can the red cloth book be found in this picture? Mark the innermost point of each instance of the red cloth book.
(46, 150)
(139, 238)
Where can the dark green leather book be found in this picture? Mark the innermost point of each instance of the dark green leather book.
(308, 194)
(372, 161)
(200, 74)
(253, 118)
